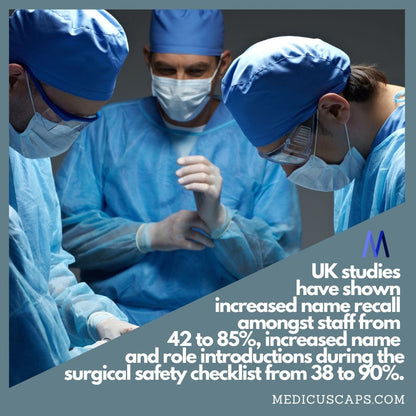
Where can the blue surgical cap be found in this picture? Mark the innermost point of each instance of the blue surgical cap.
(76, 51)
(195, 32)
(276, 84)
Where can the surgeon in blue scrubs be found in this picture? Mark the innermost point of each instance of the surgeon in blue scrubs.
(163, 199)
(331, 125)
(63, 66)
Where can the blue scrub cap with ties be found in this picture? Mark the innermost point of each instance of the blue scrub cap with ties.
(195, 32)
(76, 51)
(276, 84)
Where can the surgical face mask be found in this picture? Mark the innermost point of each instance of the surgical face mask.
(182, 100)
(42, 137)
(318, 175)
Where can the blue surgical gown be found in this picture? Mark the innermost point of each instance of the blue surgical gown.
(121, 173)
(32, 195)
(381, 184)
(37, 337)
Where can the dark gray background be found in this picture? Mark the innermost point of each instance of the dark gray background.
(367, 36)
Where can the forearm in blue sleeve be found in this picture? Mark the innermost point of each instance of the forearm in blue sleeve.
(249, 245)
(270, 234)
(76, 302)
(101, 242)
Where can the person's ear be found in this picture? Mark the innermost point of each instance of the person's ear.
(335, 107)
(17, 79)
(146, 55)
(225, 63)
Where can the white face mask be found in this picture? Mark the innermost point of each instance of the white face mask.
(42, 138)
(318, 175)
(182, 100)
(37, 141)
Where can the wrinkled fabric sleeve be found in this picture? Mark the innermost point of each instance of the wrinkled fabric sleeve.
(271, 234)
(101, 242)
(76, 301)
(97, 240)
(37, 337)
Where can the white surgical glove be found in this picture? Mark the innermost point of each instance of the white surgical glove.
(179, 231)
(202, 177)
(107, 327)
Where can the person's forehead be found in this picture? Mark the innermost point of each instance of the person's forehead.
(181, 59)
(71, 103)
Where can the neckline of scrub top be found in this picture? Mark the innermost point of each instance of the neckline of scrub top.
(395, 121)
(220, 117)
(196, 129)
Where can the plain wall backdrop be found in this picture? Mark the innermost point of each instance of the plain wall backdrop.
(367, 36)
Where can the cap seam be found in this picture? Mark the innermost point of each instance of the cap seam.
(115, 34)
(286, 58)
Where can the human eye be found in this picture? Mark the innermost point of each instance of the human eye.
(198, 71)
(164, 70)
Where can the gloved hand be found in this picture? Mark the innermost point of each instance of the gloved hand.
(96, 344)
(202, 177)
(177, 232)
(110, 328)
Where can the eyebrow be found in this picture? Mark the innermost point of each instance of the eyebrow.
(201, 64)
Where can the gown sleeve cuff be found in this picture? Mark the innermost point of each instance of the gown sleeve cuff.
(223, 228)
(94, 319)
(143, 238)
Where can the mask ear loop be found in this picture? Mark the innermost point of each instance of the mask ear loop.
(218, 83)
(217, 68)
(316, 132)
(348, 136)
(30, 93)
